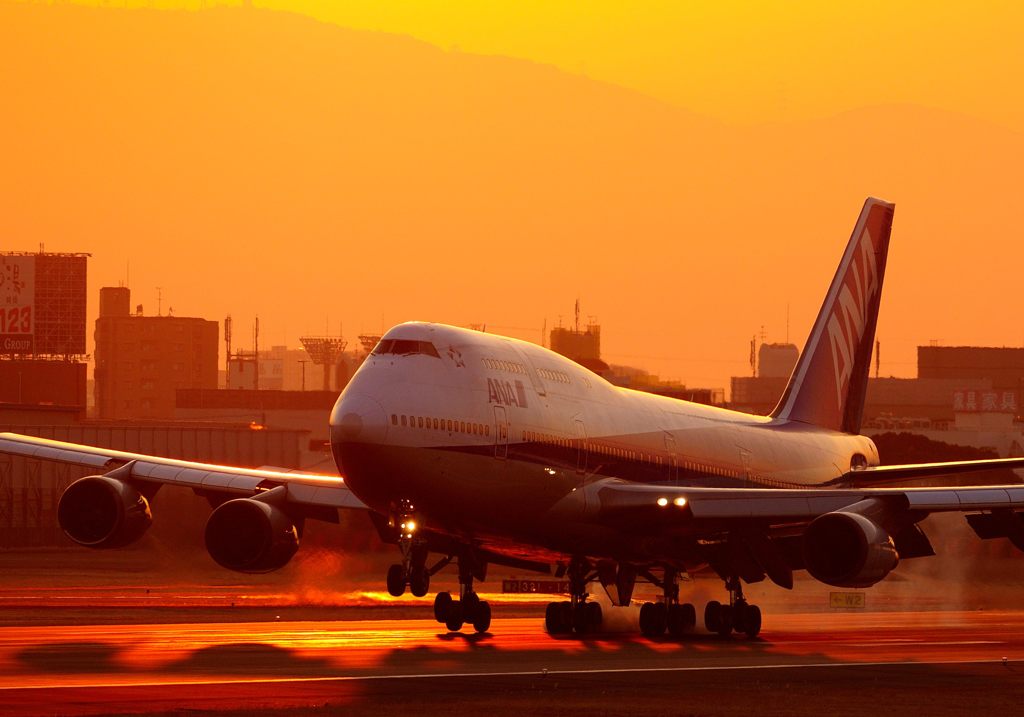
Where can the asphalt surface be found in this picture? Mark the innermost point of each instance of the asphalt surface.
(844, 662)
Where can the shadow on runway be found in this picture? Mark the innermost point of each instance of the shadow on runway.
(251, 658)
(452, 652)
(71, 657)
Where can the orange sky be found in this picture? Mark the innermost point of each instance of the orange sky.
(687, 170)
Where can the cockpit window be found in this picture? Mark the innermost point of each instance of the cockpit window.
(406, 347)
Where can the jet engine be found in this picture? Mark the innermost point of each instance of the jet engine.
(848, 550)
(251, 536)
(103, 512)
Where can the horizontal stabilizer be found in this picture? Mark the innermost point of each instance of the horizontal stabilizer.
(883, 475)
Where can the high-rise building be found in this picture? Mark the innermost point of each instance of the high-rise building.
(581, 345)
(142, 360)
(777, 360)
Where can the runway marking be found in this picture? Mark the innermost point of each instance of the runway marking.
(523, 673)
(896, 643)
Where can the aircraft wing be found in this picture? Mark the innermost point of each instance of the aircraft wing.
(755, 532)
(306, 489)
(620, 500)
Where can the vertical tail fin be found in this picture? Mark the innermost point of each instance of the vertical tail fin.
(828, 385)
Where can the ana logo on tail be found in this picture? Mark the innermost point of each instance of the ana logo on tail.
(828, 386)
(858, 290)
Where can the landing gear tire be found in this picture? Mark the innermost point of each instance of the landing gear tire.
(586, 618)
(739, 612)
(454, 619)
(561, 619)
(726, 614)
(552, 619)
(580, 620)
(396, 580)
(653, 619)
(442, 604)
(419, 582)
(681, 619)
(469, 603)
(558, 620)
(712, 612)
(751, 625)
(482, 616)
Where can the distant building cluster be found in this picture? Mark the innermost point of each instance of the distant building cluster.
(161, 386)
(141, 361)
(583, 345)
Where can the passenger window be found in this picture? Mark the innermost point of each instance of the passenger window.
(403, 419)
(419, 421)
(394, 419)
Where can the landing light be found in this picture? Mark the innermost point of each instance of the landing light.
(662, 502)
(411, 525)
(680, 502)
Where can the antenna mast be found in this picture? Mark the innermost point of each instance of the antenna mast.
(227, 346)
(256, 353)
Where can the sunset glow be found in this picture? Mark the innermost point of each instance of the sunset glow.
(255, 161)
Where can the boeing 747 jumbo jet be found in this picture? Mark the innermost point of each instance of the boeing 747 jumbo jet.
(486, 450)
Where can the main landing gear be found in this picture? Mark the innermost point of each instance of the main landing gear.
(577, 615)
(469, 608)
(670, 615)
(738, 616)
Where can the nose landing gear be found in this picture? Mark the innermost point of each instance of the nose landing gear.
(412, 571)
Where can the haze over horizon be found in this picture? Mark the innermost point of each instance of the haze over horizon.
(252, 161)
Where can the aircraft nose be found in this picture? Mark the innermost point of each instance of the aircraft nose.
(359, 418)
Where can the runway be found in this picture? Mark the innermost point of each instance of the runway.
(942, 659)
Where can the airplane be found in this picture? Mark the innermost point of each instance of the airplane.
(483, 449)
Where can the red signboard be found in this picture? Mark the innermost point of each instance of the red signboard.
(17, 304)
(42, 304)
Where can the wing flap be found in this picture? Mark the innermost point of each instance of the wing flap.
(58, 453)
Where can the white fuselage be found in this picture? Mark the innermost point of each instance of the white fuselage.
(487, 433)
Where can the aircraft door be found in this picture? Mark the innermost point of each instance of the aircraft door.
(672, 464)
(581, 447)
(500, 433)
(538, 385)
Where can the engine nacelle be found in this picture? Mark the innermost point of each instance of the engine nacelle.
(251, 536)
(103, 512)
(848, 550)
